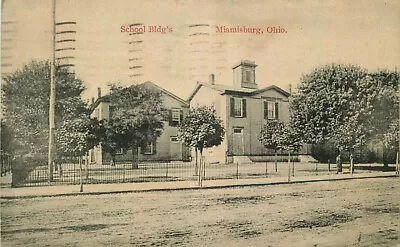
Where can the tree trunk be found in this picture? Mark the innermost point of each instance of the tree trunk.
(135, 164)
(200, 168)
(87, 166)
(60, 171)
(113, 159)
(197, 164)
(276, 161)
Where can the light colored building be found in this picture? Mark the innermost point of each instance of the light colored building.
(244, 109)
(166, 148)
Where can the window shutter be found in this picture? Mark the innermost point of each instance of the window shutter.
(244, 114)
(142, 150)
(181, 116)
(276, 110)
(170, 117)
(232, 107)
(265, 110)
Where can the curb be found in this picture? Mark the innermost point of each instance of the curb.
(193, 188)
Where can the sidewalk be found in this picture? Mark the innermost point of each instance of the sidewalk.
(98, 189)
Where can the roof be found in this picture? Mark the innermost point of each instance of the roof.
(224, 89)
(106, 98)
(152, 84)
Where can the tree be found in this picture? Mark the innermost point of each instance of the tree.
(77, 136)
(202, 128)
(113, 138)
(290, 139)
(272, 137)
(137, 113)
(7, 146)
(26, 103)
(343, 104)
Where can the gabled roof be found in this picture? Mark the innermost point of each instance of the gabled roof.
(234, 90)
(152, 84)
(106, 98)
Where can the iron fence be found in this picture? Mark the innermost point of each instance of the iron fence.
(73, 172)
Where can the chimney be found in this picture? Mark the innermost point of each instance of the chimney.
(211, 79)
(98, 92)
(92, 100)
(290, 88)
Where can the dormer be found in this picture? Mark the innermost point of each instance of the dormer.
(244, 74)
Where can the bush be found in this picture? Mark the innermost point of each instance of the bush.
(21, 167)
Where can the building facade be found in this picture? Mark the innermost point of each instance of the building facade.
(244, 109)
(166, 148)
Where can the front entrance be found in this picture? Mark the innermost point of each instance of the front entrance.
(175, 148)
(238, 144)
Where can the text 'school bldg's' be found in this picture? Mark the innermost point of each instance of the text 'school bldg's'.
(166, 148)
(244, 109)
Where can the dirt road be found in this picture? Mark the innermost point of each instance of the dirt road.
(341, 213)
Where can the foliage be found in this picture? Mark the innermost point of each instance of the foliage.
(290, 139)
(202, 128)
(136, 115)
(26, 103)
(7, 139)
(113, 138)
(346, 105)
(77, 136)
(272, 135)
(391, 137)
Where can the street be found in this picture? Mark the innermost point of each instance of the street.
(337, 213)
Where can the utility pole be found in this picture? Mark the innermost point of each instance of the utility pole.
(52, 127)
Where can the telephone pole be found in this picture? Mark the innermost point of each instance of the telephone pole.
(52, 127)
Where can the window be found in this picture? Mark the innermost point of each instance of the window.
(237, 130)
(175, 117)
(120, 151)
(238, 107)
(271, 110)
(149, 149)
(249, 76)
(174, 139)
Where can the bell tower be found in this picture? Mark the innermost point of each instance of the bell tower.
(244, 74)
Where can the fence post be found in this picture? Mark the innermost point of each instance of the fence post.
(293, 168)
(166, 171)
(316, 168)
(397, 163)
(204, 168)
(266, 168)
(237, 169)
(80, 175)
(289, 168)
(351, 165)
(87, 166)
(329, 165)
(200, 184)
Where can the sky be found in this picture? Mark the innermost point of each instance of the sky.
(364, 33)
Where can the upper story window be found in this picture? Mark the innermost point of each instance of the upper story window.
(248, 76)
(271, 110)
(174, 139)
(175, 117)
(238, 107)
